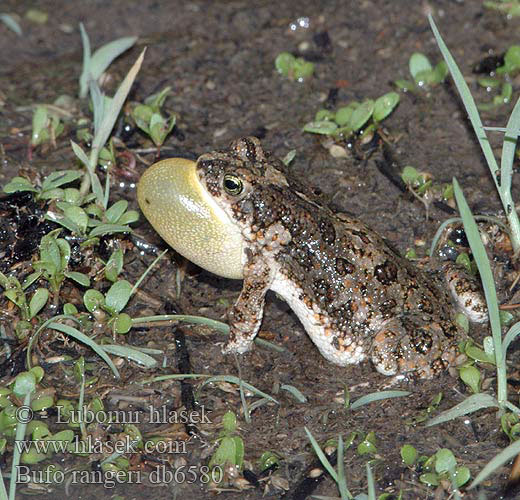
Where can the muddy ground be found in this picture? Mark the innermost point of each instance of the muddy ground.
(218, 58)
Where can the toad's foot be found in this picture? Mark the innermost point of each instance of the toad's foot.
(406, 345)
(467, 292)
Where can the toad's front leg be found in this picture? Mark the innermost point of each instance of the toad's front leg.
(246, 315)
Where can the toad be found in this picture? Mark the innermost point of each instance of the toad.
(239, 214)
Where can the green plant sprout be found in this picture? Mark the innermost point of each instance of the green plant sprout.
(503, 184)
(54, 261)
(149, 119)
(230, 450)
(11, 23)
(501, 176)
(502, 78)
(509, 7)
(95, 64)
(350, 119)
(422, 186)
(15, 292)
(46, 126)
(106, 111)
(294, 68)
(423, 73)
(435, 469)
(339, 474)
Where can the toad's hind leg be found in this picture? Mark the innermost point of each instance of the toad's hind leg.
(407, 344)
(467, 292)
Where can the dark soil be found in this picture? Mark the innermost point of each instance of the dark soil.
(218, 58)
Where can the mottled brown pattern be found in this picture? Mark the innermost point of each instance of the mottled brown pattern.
(366, 296)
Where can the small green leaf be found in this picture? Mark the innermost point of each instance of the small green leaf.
(156, 101)
(24, 383)
(104, 229)
(229, 422)
(70, 309)
(13, 25)
(118, 295)
(116, 210)
(78, 216)
(59, 178)
(325, 127)
(43, 399)
(32, 457)
(38, 301)
(93, 300)
(429, 478)
(409, 454)
(283, 63)
(129, 217)
(367, 446)
(79, 370)
(440, 72)
(142, 115)
(226, 453)
(19, 184)
(405, 85)
(80, 278)
(444, 461)
(361, 114)
(29, 280)
(123, 323)
(471, 377)
(301, 69)
(409, 175)
(462, 320)
(114, 265)
(384, 105)
(324, 114)
(418, 63)
(343, 115)
(40, 122)
(512, 58)
(464, 261)
(462, 476)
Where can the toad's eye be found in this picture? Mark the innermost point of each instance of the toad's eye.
(233, 184)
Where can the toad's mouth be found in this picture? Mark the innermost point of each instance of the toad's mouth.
(181, 210)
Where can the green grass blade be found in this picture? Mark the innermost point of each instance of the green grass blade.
(488, 282)
(511, 335)
(301, 398)
(10, 22)
(81, 337)
(148, 269)
(232, 379)
(377, 396)
(3, 491)
(506, 171)
(196, 320)
(439, 232)
(323, 459)
(111, 114)
(83, 79)
(342, 480)
(495, 463)
(371, 484)
(103, 57)
(468, 101)
(502, 184)
(130, 353)
(20, 435)
(469, 405)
